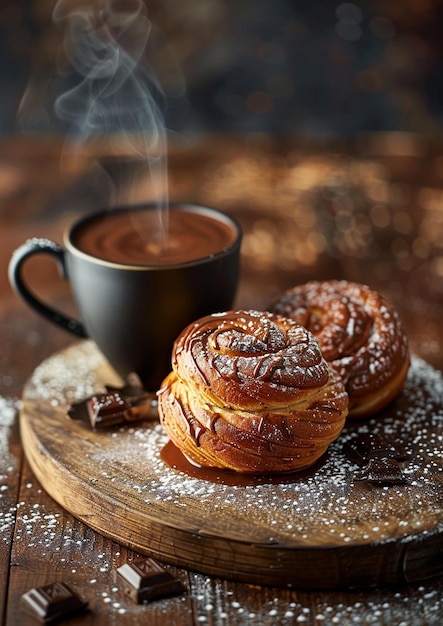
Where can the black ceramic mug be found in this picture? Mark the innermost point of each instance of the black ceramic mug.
(138, 277)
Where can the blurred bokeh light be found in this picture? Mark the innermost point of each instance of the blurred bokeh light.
(264, 65)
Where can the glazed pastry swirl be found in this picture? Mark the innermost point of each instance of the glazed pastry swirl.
(250, 391)
(250, 359)
(360, 335)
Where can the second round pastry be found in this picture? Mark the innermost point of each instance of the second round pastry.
(360, 334)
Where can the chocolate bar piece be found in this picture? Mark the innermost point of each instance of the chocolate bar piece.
(142, 404)
(52, 602)
(109, 409)
(364, 447)
(117, 405)
(145, 580)
(106, 410)
(382, 471)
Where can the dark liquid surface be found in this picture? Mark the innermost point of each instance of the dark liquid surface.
(147, 237)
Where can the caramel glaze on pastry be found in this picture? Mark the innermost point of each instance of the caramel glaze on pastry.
(251, 392)
(360, 335)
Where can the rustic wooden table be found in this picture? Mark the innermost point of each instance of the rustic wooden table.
(370, 211)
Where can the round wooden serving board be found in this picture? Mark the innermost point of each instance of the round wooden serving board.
(317, 529)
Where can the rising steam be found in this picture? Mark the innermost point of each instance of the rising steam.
(107, 91)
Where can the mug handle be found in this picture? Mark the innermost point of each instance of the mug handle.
(26, 250)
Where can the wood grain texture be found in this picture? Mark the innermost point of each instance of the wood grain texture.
(84, 560)
(320, 529)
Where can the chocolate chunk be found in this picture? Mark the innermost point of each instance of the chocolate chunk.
(52, 602)
(383, 471)
(117, 405)
(142, 404)
(362, 448)
(145, 580)
(111, 408)
(106, 410)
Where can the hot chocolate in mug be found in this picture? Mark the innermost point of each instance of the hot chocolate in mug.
(136, 287)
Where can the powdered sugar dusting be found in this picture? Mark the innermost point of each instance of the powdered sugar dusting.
(359, 333)
(8, 412)
(315, 508)
(61, 381)
(50, 533)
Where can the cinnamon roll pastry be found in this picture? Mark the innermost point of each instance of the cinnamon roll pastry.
(360, 335)
(251, 392)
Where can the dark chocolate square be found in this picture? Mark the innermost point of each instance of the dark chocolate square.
(52, 602)
(106, 409)
(382, 471)
(364, 447)
(145, 580)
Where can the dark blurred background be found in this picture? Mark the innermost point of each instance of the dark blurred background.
(279, 66)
